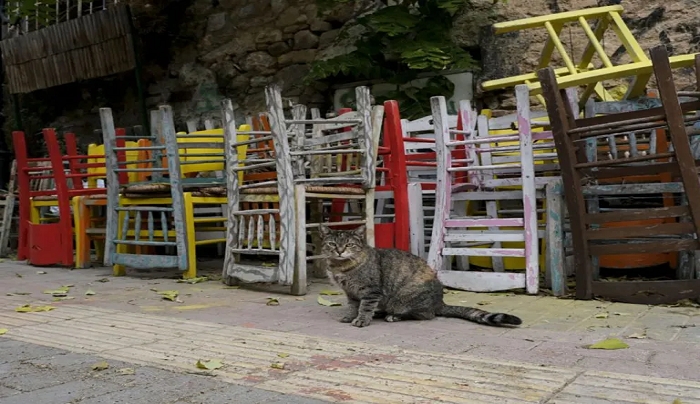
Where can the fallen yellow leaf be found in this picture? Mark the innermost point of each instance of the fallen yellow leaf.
(33, 309)
(3, 331)
(331, 292)
(209, 365)
(325, 302)
(169, 294)
(89, 293)
(272, 301)
(277, 365)
(602, 315)
(100, 366)
(609, 344)
(283, 355)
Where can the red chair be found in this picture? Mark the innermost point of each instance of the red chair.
(40, 242)
(407, 161)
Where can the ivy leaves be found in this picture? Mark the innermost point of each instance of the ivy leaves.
(399, 42)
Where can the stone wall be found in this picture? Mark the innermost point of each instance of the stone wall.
(198, 51)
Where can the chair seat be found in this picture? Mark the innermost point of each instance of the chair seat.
(309, 188)
(163, 191)
(146, 188)
(46, 198)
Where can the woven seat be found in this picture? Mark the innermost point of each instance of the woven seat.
(209, 191)
(309, 188)
(46, 198)
(146, 189)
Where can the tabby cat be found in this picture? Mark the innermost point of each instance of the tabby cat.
(389, 283)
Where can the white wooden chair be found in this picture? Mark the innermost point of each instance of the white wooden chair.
(340, 158)
(456, 235)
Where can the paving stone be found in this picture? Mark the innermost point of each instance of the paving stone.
(27, 377)
(13, 351)
(139, 395)
(247, 395)
(68, 392)
(6, 392)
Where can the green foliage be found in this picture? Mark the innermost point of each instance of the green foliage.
(46, 10)
(400, 42)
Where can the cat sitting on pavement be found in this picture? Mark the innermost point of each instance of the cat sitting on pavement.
(390, 283)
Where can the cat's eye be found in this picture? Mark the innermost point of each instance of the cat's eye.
(331, 244)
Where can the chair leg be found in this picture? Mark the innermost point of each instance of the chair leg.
(555, 268)
(81, 219)
(190, 238)
(299, 278)
(369, 217)
(118, 269)
(319, 270)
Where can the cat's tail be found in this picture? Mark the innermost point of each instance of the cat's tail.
(479, 316)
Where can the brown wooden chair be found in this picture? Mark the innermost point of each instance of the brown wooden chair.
(592, 232)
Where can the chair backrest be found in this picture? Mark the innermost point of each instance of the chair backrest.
(412, 147)
(346, 156)
(97, 166)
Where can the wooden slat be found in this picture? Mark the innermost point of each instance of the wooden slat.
(648, 292)
(92, 46)
(651, 246)
(637, 214)
(640, 231)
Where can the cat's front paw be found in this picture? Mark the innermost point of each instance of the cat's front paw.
(361, 322)
(347, 319)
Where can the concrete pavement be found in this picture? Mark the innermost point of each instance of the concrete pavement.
(129, 325)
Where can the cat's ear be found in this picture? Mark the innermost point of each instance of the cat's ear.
(360, 231)
(324, 230)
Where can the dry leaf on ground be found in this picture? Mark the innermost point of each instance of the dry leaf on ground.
(60, 292)
(3, 331)
(126, 371)
(100, 366)
(272, 301)
(89, 293)
(27, 308)
(638, 336)
(602, 315)
(609, 344)
(277, 365)
(38, 272)
(209, 365)
(325, 302)
(283, 355)
(169, 294)
(192, 281)
(330, 292)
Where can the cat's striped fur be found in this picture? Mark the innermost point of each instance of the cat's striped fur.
(392, 284)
